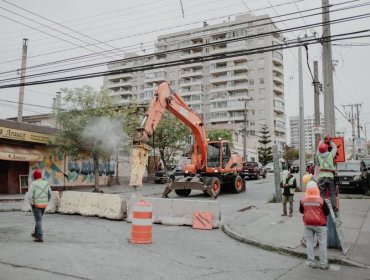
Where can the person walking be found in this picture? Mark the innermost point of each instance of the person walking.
(288, 185)
(39, 196)
(315, 210)
(327, 169)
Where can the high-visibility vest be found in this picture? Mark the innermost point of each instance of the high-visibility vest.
(40, 193)
(327, 167)
(313, 212)
(290, 183)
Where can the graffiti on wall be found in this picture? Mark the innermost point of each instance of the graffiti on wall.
(72, 172)
(82, 171)
(51, 166)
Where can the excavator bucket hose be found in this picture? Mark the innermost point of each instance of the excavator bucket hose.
(139, 160)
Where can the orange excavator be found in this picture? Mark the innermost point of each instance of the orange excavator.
(213, 165)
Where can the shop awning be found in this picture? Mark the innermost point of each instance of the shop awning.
(20, 153)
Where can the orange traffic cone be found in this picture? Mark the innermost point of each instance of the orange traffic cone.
(141, 230)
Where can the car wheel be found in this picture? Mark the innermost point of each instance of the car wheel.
(257, 176)
(264, 175)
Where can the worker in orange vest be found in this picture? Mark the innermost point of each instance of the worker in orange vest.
(315, 210)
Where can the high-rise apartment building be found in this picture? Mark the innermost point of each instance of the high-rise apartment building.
(309, 136)
(216, 89)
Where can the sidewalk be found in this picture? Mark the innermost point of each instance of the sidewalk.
(264, 226)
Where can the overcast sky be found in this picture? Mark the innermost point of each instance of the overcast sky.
(87, 27)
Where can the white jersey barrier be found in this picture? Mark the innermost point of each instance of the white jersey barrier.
(110, 206)
(177, 211)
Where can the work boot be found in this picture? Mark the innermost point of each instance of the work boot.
(33, 234)
(290, 215)
(284, 214)
(39, 238)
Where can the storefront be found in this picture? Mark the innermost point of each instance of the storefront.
(20, 145)
(26, 147)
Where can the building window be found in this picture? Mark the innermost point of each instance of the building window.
(261, 81)
(251, 82)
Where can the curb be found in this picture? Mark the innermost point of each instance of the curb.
(283, 250)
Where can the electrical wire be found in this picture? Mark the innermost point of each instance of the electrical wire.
(165, 29)
(188, 48)
(190, 60)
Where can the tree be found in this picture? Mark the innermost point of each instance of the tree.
(169, 137)
(88, 126)
(290, 153)
(224, 134)
(264, 151)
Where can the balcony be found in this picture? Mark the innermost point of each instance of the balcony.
(190, 82)
(192, 65)
(279, 89)
(123, 83)
(278, 79)
(279, 108)
(192, 73)
(219, 69)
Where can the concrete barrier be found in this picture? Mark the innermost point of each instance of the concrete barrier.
(70, 202)
(113, 206)
(110, 206)
(177, 211)
(89, 204)
(52, 205)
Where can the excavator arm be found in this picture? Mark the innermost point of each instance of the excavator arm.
(165, 99)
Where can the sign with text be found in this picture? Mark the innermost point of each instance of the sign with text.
(28, 136)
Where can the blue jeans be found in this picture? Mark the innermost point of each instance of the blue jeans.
(321, 233)
(327, 184)
(38, 213)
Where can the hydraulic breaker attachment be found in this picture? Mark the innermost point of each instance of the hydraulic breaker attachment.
(139, 159)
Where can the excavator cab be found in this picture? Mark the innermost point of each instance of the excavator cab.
(219, 154)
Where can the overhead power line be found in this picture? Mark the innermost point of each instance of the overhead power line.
(210, 19)
(186, 48)
(58, 24)
(193, 60)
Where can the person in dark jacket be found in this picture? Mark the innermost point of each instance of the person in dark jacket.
(288, 186)
(315, 210)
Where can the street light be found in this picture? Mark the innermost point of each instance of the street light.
(245, 126)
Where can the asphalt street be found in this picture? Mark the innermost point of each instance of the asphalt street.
(78, 247)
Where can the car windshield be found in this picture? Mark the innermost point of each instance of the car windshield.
(252, 164)
(270, 164)
(366, 162)
(348, 166)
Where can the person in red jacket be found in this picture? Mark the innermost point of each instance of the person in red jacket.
(315, 210)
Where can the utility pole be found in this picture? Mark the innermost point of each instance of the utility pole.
(358, 119)
(327, 67)
(23, 78)
(245, 126)
(352, 120)
(316, 84)
(302, 160)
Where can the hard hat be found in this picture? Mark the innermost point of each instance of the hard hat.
(37, 174)
(306, 178)
(323, 148)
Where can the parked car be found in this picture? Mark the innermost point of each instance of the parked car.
(174, 173)
(352, 175)
(253, 169)
(269, 167)
(294, 168)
